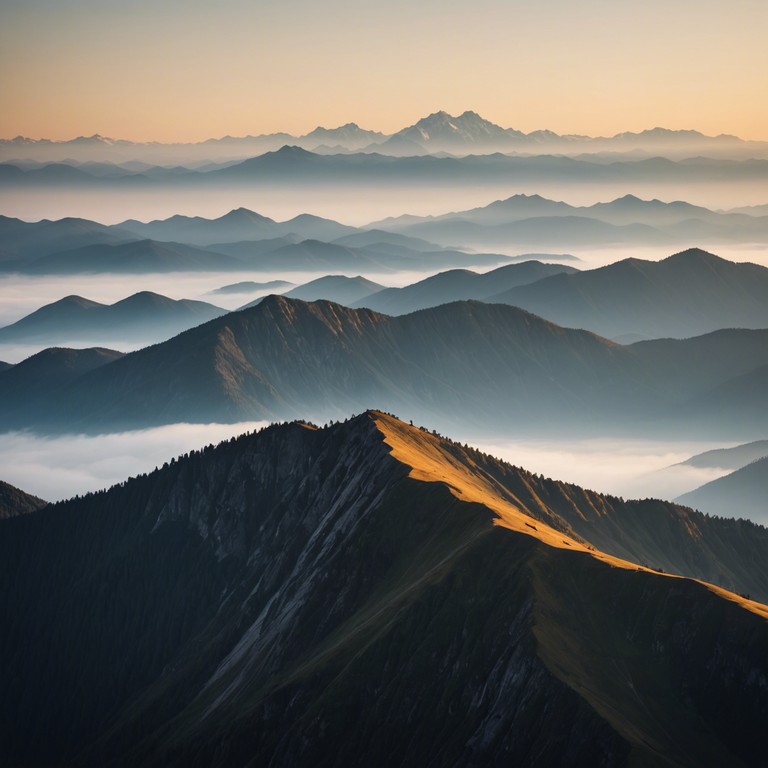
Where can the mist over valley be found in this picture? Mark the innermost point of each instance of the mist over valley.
(342, 424)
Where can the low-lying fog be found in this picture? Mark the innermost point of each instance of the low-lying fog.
(59, 467)
(632, 468)
(55, 468)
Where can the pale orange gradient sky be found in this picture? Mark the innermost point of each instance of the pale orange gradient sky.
(186, 70)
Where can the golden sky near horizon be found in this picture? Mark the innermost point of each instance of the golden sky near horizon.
(185, 70)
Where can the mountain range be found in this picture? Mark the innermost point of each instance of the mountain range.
(146, 316)
(687, 294)
(525, 220)
(438, 132)
(245, 239)
(76, 246)
(457, 285)
(466, 363)
(293, 168)
(245, 603)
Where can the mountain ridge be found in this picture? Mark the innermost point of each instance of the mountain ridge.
(144, 314)
(480, 362)
(279, 602)
(446, 132)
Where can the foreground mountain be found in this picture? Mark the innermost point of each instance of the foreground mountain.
(145, 315)
(244, 604)
(743, 493)
(14, 501)
(458, 285)
(487, 366)
(687, 294)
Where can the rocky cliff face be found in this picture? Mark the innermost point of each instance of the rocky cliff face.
(366, 594)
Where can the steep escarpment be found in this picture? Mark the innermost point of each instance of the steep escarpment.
(368, 593)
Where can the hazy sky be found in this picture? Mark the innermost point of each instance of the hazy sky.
(188, 70)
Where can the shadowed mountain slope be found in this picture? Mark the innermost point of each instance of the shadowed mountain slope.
(741, 400)
(14, 501)
(458, 285)
(690, 293)
(729, 458)
(337, 288)
(250, 286)
(244, 604)
(47, 372)
(137, 256)
(743, 493)
(29, 240)
(468, 362)
(144, 315)
(237, 225)
(530, 219)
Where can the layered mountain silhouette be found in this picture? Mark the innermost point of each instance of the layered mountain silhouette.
(291, 167)
(466, 363)
(250, 286)
(41, 377)
(231, 609)
(729, 458)
(145, 315)
(245, 239)
(130, 257)
(457, 285)
(237, 225)
(14, 501)
(29, 240)
(743, 493)
(687, 294)
(438, 132)
(336, 288)
(183, 243)
(533, 220)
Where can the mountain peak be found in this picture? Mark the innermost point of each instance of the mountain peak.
(291, 150)
(383, 555)
(691, 255)
(242, 214)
